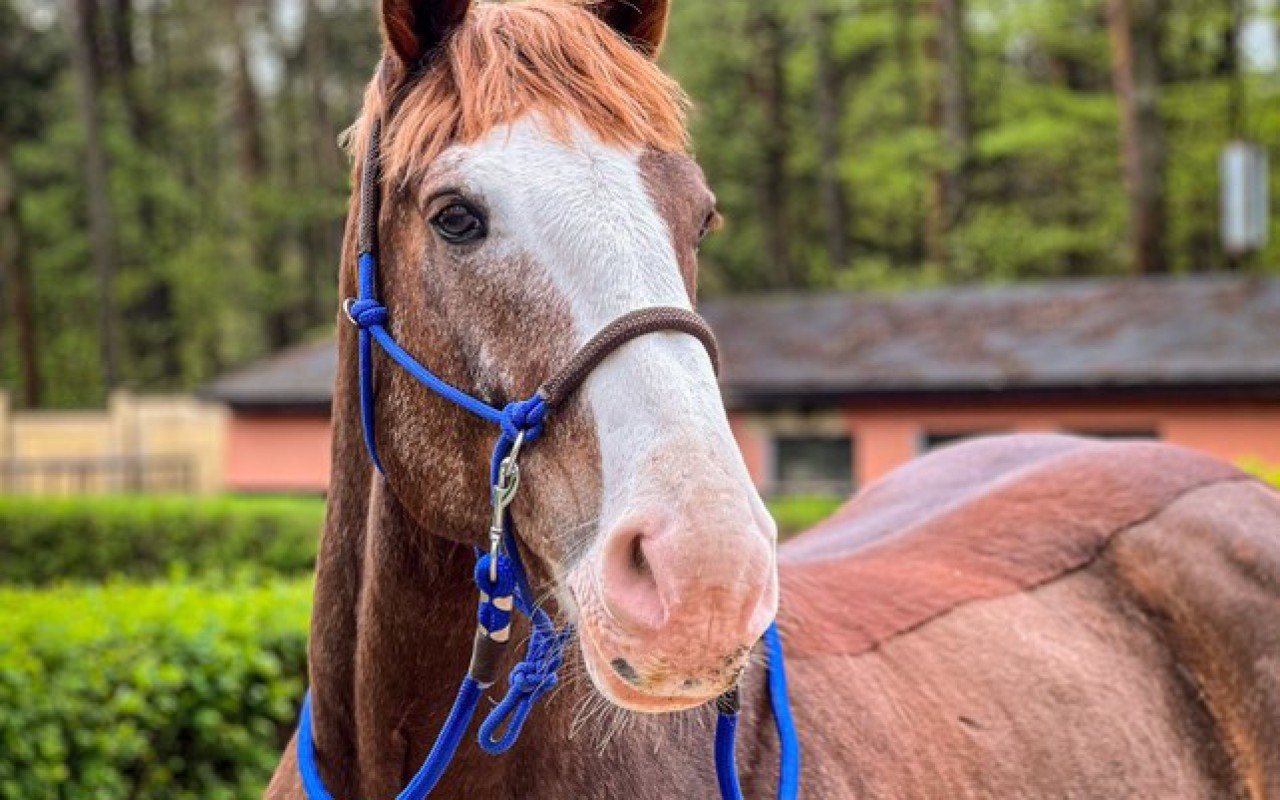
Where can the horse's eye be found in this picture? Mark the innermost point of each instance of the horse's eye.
(710, 224)
(459, 223)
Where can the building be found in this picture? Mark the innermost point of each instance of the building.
(827, 392)
(277, 435)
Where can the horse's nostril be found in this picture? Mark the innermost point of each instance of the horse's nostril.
(625, 671)
(631, 573)
(638, 560)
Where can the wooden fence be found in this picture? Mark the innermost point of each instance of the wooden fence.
(137, 444)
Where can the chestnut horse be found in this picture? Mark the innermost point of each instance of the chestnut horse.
(1025, 617)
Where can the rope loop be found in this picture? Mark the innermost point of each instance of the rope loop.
(524, 416)
(531, 678)
(366, 313)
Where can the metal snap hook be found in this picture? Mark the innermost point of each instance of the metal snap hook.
(504, 492)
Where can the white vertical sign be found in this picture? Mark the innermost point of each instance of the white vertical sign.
(1245, 212)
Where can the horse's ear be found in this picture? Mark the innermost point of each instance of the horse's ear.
(413, 28)
(641, 22)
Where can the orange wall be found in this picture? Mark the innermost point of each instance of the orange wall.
(888, 438)
(278, 453)
(291, 453)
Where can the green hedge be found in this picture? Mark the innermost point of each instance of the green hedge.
(90, 539)
(145, 538)
(163, 691)
(796, 514)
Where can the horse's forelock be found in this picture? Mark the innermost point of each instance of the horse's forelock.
(550, 57)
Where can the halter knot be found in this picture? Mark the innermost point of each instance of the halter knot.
(528, 678)
(366, 312)
(537, 673)
(524, 416)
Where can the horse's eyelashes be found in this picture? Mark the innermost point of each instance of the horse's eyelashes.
(711, 224)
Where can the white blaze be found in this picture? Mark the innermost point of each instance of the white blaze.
(583, 213)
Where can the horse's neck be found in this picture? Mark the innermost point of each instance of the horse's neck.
(392, 620)
(391, 634)
(414, 620)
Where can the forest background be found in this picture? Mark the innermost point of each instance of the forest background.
(171, 191)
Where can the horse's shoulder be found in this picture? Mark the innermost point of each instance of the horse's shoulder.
(970, 522)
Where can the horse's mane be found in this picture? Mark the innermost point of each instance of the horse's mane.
(553, 57)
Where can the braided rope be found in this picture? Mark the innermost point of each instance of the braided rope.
(631, 325)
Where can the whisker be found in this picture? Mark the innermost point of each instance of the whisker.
(615, 725)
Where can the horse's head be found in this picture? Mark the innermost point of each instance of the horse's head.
(536, 186)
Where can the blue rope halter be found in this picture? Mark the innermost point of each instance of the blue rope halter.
(500, 574)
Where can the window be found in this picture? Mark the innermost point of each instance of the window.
(816, 465)
(1115, 433)
(932, 440)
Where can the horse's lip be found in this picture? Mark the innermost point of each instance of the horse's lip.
(623, 694)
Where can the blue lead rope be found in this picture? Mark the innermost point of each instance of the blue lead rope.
(535, 675)
(780, 702)
(464, 708)
(455, 727)
(788, 740)
(726, 764)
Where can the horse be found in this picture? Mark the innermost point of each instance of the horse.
(1019, 617)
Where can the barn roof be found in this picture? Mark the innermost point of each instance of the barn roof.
(1203, 335)
(298, 376)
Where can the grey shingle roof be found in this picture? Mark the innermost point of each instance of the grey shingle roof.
(1206, 334)
(298, 376)
(1152, 334)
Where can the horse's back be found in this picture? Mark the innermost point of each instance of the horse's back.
(1044, 616)
(970, 522)
(1206, 574)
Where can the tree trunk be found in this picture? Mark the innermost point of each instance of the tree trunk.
(1135, 45)
(156, 302)
(951, 182)
(826, 92)
(768, 33)
(324, 234)
(1229, 68)
(127, 71)
(88, 67)
(264, 250)
(248, 116)
(316, 53)
(905, 51)
(913, 114)
(16, 274)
